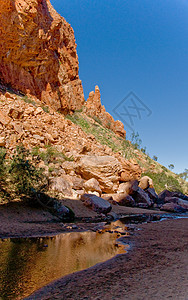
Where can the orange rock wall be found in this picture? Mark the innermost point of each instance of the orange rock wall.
(38, 53)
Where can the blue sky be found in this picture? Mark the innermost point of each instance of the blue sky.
(139, 46)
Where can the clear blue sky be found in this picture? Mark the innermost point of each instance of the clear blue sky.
(139, 46)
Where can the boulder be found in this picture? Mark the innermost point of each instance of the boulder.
(92, 185)
(130, 169)
(62, 185)
(128, 187)
(179, 195)
(172, 207)
(145, 182)
(124, 199)
(163, 195)
(2, 142)
(62, 212)
(141, 196)
(152, 194)
(105, 169)
(4, 119)
(183, 203)
(179, 201)
(97, 204)
(77, 183)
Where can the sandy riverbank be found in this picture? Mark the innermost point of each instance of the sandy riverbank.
(156, 268)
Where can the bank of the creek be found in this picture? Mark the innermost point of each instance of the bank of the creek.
(155, 267)
(27, 264)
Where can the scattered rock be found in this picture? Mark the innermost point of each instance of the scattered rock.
(128, 187)
(145, 183)
(172, 207)
(92, 185)
(2, 142)
(152, 194)
(96, 203)
(62, 185)
(141, 196)
(124, 199)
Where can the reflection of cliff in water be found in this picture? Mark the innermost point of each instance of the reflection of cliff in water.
(28, 264)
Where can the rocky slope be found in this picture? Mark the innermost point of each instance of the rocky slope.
(84, 151)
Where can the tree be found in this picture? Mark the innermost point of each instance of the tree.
(171, 166)
(184, 175)
(155, 158)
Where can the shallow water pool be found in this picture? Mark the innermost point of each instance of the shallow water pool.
(27, 264)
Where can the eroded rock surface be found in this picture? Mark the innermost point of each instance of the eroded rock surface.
(38, 53)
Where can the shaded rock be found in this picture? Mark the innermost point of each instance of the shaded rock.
(141, 196)
(152, 194)
(183, 203)
(163, 195)
(96, 203)
(103, 168)
(179, 195)
(77, 183)
(63, 212)
(124, 199)
(128, 187)
(92, 185)
(61, 184)
(145, 182)
(15, 113)
(172, 207)
(179, 201)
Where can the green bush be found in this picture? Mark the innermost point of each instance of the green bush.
(2, 165)
(24, 176)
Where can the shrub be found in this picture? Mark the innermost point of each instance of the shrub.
(23, 174)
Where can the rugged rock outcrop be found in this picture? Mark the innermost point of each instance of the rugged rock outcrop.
(95, 109)
(38, 53)
(105, 169)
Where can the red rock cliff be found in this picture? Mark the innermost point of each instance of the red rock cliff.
(38, 53)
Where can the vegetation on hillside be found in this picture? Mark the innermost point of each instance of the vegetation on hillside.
(162, 177)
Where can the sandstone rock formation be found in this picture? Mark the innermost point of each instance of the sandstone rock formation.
(38, 53)
(95, 109)
(105, 169)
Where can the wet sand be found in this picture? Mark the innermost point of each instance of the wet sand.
(156, 268)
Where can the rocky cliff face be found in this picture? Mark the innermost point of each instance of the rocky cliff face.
(38, 53)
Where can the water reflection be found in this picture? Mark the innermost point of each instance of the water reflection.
(28, 264)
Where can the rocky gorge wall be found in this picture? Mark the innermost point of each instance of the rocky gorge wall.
(38, 53)
(38, 57)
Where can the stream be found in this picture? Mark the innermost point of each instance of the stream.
(27, 264)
